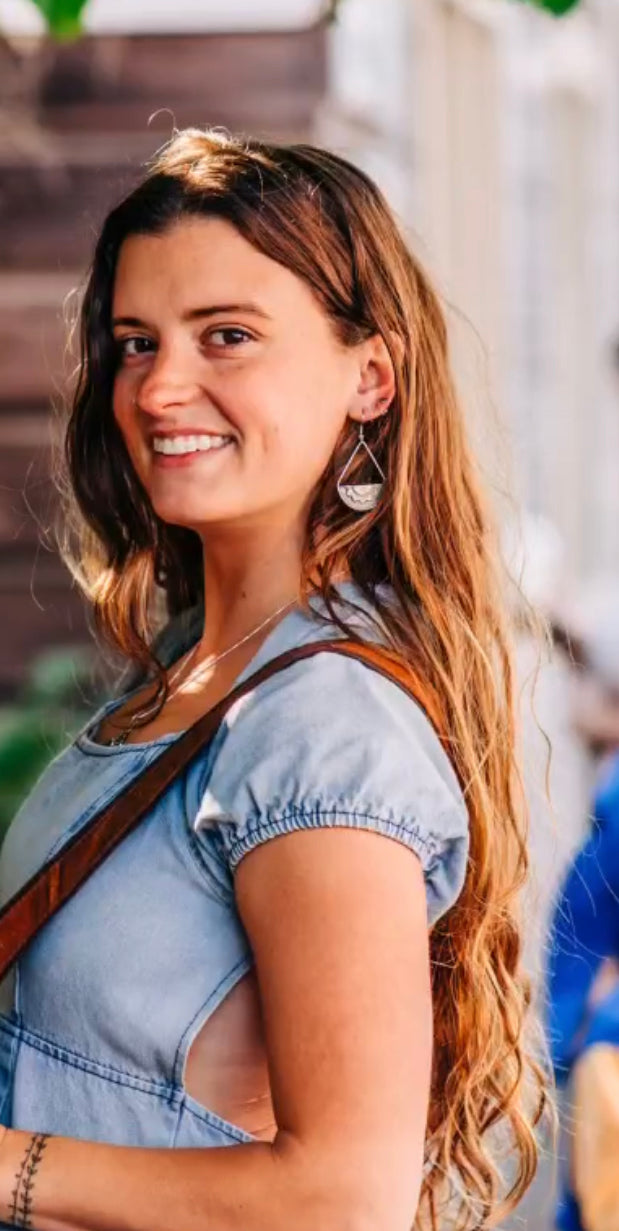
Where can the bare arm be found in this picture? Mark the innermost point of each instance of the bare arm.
(337, 923)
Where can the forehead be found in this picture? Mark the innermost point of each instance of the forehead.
(202, 261)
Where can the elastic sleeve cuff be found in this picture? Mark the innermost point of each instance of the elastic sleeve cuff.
(443, 861)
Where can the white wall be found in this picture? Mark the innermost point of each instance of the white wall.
(562, 205)
(494, 130)
(164, 16)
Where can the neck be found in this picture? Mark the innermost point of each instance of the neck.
(248, 576)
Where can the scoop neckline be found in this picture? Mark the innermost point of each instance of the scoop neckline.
(84, 741)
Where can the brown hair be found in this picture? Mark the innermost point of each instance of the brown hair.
(430, 537)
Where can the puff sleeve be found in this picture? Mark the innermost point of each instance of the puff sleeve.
(329, 742)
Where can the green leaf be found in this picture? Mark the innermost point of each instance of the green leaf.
(557, 7)
(50, 708)
(28, 741)
(56, 675)
(63, 16)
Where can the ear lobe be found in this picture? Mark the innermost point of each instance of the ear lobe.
(370, 410)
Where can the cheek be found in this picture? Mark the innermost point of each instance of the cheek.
(303, 405)
(289, 429)
(299, 443)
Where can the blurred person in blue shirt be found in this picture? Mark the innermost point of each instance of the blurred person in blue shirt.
(583, 961)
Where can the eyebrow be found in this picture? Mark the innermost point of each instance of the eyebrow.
(195, 314)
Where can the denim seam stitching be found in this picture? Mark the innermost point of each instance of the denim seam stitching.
(175, 1096)
(242, 961)
(213, 748)
(195, 854)
(233, 1131)
(98, 1068)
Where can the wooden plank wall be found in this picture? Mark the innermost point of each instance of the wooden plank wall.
(94, 129)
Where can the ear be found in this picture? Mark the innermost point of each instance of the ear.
(376, 386)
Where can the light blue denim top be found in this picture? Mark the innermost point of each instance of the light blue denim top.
(106, 1001)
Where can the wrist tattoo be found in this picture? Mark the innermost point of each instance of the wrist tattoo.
(23, 1193)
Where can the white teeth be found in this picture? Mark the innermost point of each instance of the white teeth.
(188, 444)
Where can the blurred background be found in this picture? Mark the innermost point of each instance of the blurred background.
(493, 127)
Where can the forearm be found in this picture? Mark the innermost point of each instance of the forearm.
(85, 1186)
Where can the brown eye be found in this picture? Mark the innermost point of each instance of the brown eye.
(231, 335)
(129, 348)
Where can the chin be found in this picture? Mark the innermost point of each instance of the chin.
(196, 516)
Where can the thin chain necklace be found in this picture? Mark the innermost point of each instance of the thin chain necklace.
(137, 717)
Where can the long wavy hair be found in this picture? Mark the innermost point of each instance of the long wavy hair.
(430, 538)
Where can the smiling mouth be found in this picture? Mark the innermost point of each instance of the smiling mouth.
(182, 446)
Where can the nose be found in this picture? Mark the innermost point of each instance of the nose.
(168, 383)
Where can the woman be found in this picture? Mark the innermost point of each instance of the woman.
(251, 967)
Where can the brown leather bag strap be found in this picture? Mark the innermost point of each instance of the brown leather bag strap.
(33, 905)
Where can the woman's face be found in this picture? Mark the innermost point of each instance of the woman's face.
(231, 388)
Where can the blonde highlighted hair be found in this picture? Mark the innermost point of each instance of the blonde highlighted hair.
(430, 538)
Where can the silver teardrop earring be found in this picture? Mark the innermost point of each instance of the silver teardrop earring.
(362, 497)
